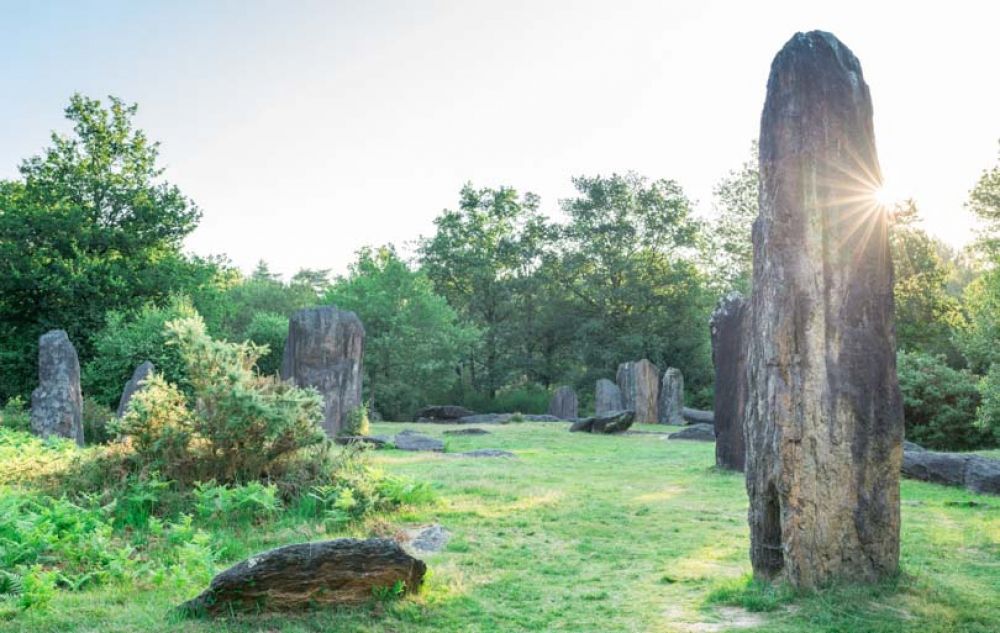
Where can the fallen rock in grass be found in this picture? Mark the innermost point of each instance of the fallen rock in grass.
(697, 416)
(472, 431)
(430, 538)
(376, 441)
(442, 413)
(306, 575)
(910, 446)
(976, 473)
(504, 418)
(484, 452)
(696, 432)
(413, 441)
(607, 423)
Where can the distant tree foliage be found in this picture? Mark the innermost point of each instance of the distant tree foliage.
(728, 246)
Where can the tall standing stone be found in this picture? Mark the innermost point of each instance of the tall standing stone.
(671, 407)
(639, 382)
(607, 397)
(57, 404)
(324, 350)
(564, 403)
(824, 415)
(141, 373)
(729, 356)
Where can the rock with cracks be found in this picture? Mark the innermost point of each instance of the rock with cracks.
(310, 575)
(607, 397)
(639, 382)
(729, 357)
(824, 413)
(564, 403)
(134, 385)
(324, 350)
(442, 413)
(698, 416)
(57, 403)
(671, 404)
(973, 472)
(608, 423)
(697, 432)
(413, 441)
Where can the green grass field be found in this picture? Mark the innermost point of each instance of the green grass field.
(598, 534)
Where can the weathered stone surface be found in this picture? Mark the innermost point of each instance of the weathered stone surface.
(608, 423)
(729, 356)
(976, 473)
(607, 397)
(427, 539)
(325, 350)
(375, 441)
(910, 446)
(698, 432)
(671, 402)
(824, 413)
(442, 412)
(564, 403)
(308, 575)
(483, 452)
(639, 382)
(57, 403)
(413, 441)
(134, 384)
(697, 416)
(472, 431)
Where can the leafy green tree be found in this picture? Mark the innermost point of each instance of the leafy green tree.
(90, 226)
(268, 330)
(628, 259)
(939, 403)
(482, 258)
(413, 338)
(729, 248)
(984, 202)
(263, 292)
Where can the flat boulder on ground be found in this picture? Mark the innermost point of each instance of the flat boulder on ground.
(470, 431)
(483, 452)
(442, 412)
(698, 416)
(308, 575)
(135, 383)
(973, 472)
(413, 441)
(505, 418)
(57, 403)
(696, 432)
(609, 423)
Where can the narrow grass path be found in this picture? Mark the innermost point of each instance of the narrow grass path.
(602, 534)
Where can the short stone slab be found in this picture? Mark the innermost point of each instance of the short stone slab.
(975, 473)
(607, 423)
(472, 431)
(442, 412)
(696, 432)
(413, 441)
(697, 416)
(484, 452)
(427, 539)
(307, 575)
(910, 446)
(375, 441)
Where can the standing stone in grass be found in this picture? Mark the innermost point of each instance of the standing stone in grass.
(729, 355)
(57, 403)
(564, 404)
(324, 350)
(608, 397)
(639, 382)
(824, 414)
(141, 373)
(672, 397)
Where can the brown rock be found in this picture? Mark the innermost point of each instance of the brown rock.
(824, 414)
(729, 355)
(57, 403)
(639, 382)
(308, 575)
(564, 403)
(324, 350)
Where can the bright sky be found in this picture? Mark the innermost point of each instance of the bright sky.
(305, 130)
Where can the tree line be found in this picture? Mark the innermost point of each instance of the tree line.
(498, 305)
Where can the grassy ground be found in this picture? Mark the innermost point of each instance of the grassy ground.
(599, 534)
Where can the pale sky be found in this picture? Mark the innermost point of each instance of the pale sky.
(305, 130)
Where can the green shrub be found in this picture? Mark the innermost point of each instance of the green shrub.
(244, 424)
(96, 418)
(989, 411)
(14, 415)
(235, 504)
(356, 422)
(940, 404)
(268, 329)
(129, 339)
(531, 399)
